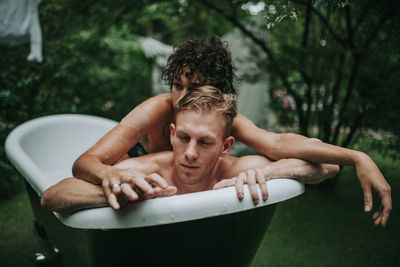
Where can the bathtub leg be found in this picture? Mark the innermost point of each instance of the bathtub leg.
(52, 255)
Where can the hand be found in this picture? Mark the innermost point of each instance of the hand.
(132, 194)
(371, 178)
(121, 186)
(251, 178)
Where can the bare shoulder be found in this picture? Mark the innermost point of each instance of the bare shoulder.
(159, 103)
(159, 100)
(153, 110)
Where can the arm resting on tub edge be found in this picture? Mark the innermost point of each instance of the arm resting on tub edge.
(297, 169)
(179, 208)
(304, 171)
(72, 194)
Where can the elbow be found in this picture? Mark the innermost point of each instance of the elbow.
(46, 200)
(78, 166)
(331, 170)
(75, 167)
(334, 170)
(52, 200)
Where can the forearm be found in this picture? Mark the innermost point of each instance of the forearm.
(313, 150)
(90, 168)
(309, 173)
(288, 145)
(73, 194)
(96, 163)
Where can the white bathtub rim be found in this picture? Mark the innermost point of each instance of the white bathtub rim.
(180, 208)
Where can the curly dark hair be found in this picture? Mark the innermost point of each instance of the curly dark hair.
(209, 57)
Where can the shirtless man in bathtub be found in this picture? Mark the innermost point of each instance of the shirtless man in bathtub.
(199, 161)
(199, 62)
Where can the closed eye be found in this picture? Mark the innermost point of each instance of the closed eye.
(205, 143)
(178, 86)
(184, 138)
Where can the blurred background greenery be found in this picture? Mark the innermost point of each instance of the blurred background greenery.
(333, 66)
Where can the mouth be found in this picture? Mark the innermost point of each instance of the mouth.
(189, 167)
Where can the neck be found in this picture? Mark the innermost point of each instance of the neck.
(205, 184)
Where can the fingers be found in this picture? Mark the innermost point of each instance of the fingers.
(240, 180)
(112, 188)
(149, 182)
(381, 216)
(252, 184)
(129, 192)
(112, 200)
(252, 178)
(163, 192)
(144, 186)
(106, 188)
(154, 177)
(125, 186)
(150, 186)
(261, 182)
(225, 183)
(386, 206)
(367, 198)
(378, 219)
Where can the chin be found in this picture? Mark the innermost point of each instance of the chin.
(189, 180)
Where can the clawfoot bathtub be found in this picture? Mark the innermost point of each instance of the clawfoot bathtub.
(210, 228)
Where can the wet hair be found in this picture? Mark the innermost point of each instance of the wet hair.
(208, 57)
(210, 99)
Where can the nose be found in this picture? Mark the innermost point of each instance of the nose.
(191, 152)
(181, 94)
(184, 92)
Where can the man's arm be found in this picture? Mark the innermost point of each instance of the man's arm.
(253, 170)
(96, 164)
(281, 146)
(72, 194)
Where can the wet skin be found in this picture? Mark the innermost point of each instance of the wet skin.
(149, 123)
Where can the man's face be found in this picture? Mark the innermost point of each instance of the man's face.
(187, 82)
(197, 140)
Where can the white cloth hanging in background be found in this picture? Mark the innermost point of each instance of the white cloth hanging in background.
(19, 23)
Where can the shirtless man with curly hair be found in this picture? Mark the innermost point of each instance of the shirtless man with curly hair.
(199, 160)
(208, 62)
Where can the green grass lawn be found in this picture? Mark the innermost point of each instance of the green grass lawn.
(321, 228)
(318, 228)
(18, 241)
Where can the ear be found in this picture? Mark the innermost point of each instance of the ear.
(228, 144)
(172, 132)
